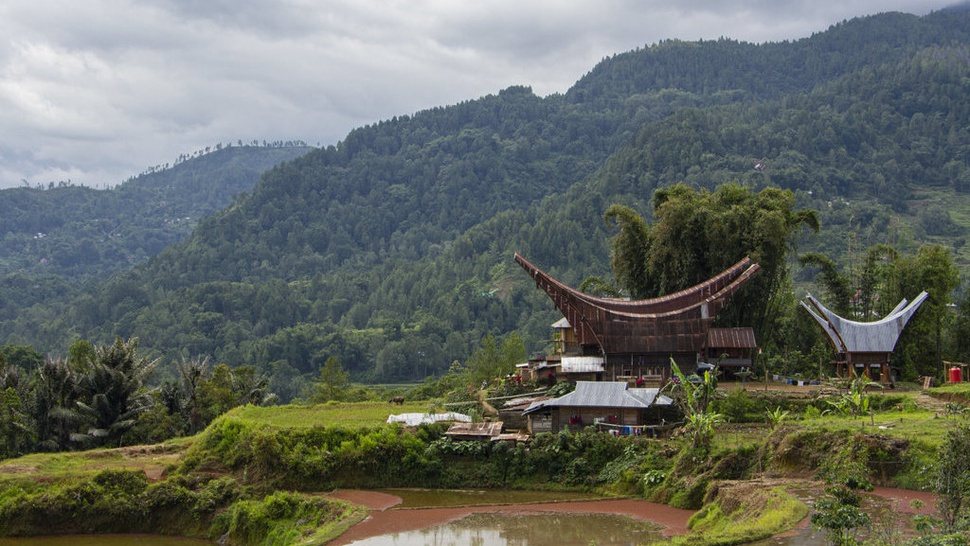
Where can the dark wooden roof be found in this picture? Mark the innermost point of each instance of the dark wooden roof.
(675, 323)
(731, 338)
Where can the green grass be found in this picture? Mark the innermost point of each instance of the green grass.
(916, 426)
(952, 390)
(711, 526)
(85, 463)
(348, 414)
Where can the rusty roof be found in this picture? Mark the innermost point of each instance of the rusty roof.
(487, 429)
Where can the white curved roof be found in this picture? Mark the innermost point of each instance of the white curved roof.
(852, 336)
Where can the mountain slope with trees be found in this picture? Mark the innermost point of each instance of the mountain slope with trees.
(392, 251)
(57, 239)
(78, 232)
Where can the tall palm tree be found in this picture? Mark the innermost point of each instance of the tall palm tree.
(52, 405)
(113, 392)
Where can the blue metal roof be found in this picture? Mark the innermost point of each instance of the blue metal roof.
(608, 394)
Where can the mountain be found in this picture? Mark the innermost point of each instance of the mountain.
(77, 232)
(392, 250)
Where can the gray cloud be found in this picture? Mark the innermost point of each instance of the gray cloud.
(97, 91)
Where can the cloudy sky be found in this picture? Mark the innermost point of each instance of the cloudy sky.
(95, 91)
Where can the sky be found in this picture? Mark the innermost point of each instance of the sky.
(96, 91)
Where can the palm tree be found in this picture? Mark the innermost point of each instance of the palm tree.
(52, 405)
(113, 393)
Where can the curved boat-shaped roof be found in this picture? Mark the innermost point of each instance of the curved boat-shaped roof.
(670, 302)
(674, 323)
(850, 336)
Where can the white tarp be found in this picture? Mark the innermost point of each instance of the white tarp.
(415, 419)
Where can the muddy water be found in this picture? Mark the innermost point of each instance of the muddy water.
(396, 520)
(500, 518)
(555, 529)
(417, 518)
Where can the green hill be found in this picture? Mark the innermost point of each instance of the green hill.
(58, 237)
(392, 250)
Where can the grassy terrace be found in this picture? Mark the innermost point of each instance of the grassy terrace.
(348, 414)
(913, 423)
(153, 460)
(912, 416)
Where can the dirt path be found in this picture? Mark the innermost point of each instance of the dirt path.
(930, 403)
(382, 520)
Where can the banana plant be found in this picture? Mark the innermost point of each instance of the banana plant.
(694, 399)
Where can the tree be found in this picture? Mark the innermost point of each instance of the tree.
(696, 234)
(251, 387)
(80, 354)
(189, 398)
(113, 393)
(22, 356)
(493, 360)
(953, 480)
(931, 269)
(332, 384)
(14, 428)
(52, 405)
(837, 284)
(630, 251)
(695, 400)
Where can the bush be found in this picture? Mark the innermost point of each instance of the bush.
(738, 407)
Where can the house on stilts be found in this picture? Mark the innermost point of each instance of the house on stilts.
(608, 339)
(864, 348)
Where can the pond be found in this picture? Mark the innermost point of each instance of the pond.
(504, 517)
(406, 517)
(552, 529)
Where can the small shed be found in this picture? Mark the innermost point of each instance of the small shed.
(731, 348)
(608, 405)
(511, 412)
(475, 431)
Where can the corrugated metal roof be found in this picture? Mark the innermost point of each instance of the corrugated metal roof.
(609, 394)
(731, 338)
(582, 364)
(863, 337)
(488, 429)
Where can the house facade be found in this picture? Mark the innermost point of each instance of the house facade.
(608, 339)
(863, 348)
(611, 406)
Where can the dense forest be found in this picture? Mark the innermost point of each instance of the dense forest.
(392, 250)
(76, 232)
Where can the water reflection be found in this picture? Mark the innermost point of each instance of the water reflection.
(555, 529)
(425, 498)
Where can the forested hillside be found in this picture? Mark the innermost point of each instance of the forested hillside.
(392, 251)
(60, 235)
